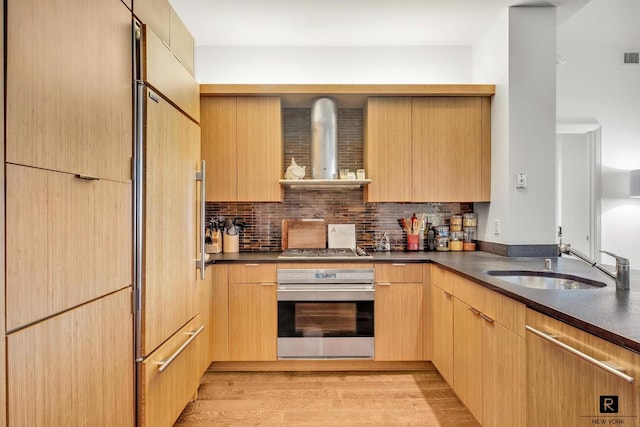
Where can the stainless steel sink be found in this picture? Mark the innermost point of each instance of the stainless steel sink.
(545, 279)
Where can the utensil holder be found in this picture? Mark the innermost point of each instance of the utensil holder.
(230, 243)
(216, 246)
(412, 242)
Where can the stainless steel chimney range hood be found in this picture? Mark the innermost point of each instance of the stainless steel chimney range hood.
(324, 151)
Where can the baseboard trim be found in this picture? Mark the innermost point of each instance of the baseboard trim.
(321, 365)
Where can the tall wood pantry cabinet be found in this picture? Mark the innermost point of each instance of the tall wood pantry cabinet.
(68, 274)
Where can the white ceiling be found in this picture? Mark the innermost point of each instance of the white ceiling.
(346, 22)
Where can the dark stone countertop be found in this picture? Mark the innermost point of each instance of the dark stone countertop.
(608, 313)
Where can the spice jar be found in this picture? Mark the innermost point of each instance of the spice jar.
(469, 220)
(455, 223)
(442, 244)
(442, 231)
(455, 242)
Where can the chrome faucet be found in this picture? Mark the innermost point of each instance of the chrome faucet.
(621, 275)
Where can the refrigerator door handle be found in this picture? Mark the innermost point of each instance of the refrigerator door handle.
(200, 176)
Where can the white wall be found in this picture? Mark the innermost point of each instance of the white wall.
(594, 83)
(518, 54)
(333, 65)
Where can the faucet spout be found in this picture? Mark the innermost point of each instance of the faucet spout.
(621, 275)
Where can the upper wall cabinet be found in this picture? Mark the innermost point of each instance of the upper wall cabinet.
(160, 16)
(242, 145)
(69, 93)
(162, 71)
(428, 149)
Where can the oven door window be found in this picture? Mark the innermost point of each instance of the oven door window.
(325, 319)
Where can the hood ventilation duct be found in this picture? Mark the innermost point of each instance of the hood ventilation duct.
(324, 138)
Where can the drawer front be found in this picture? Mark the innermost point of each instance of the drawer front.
(469, 292)
(252, 273)
(442, 278)
(399, 273)
(68, 238)
(169, 377)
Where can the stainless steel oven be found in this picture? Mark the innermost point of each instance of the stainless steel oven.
(325, 313)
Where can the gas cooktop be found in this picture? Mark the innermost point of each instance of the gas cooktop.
(329, 253)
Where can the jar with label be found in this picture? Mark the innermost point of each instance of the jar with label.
(469, 220)
(455, 223)
(442, 244)
(442, 231)
(455, 242)
(469, 237)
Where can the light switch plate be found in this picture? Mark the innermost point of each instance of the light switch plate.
(521, 180)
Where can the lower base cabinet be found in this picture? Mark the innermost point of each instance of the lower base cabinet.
(566, 388)
(74, 369)
(170, 376)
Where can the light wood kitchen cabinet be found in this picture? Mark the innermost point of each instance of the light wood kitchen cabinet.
(75, 368)
(398, 312)
(489, 354)
(242, 141)
(69, 92)
(163, 20)
(68, 238)
(171, 161)
(387, 152)
(450, 144)
(428, 149)
(219, 275)
(162, 71)
(253, 312)
(566, 387)
(442, 322)
(169, 378)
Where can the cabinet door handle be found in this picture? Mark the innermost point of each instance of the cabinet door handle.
(251, 265)
(596, 362)
(267, 283)
(447, 294)
(475, 311)
(398, 264)
(487, 318)
(87, 177)
(201, 176)
(164, 365)
(383, 284)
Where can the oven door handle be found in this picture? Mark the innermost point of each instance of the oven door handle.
(327, 290)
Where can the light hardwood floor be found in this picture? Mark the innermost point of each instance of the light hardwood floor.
(406, 398)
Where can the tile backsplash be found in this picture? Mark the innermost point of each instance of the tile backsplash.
(263, 231)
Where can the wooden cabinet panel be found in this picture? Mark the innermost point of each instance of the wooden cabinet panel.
(243, 136)
(442, 278)
(220, 313)
(163, 395)
(398, 321)
(468, 356)
(75, 368)
(181, 42)
(3, 372)
(162, 71)
(388, 153)
(169, 283)
(69, 92)
(219, 148)
(399, 273)
(252, 273)
(253, 318)
(504, 377)
(260, 148)
(157, 15)
(427, 336)
(447, 131)
(68, 241)
(565, 389)
(442, 315)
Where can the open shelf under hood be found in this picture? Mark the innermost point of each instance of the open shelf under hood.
(324, 184)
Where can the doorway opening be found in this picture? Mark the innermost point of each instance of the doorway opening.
(578, 190)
